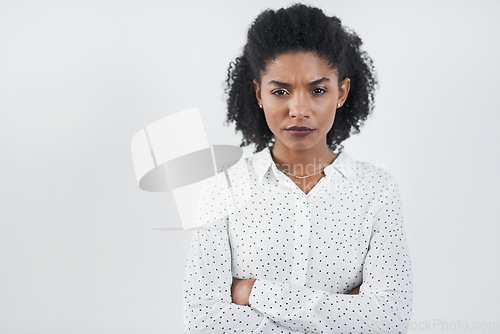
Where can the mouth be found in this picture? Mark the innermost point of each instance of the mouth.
(299, 131)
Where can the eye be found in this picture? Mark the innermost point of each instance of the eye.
(318, 91)
(279, 92)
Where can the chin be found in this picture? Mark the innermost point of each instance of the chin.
(299, 147)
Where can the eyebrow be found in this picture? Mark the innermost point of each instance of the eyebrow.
(284, 84)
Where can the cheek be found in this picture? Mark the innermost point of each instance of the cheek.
(272, 103)
(332, 117)
(273, 121)
(270, 119)
(328, 119)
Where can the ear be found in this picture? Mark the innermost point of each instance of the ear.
(345, 85)
(258, 94)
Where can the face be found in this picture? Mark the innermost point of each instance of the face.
(299, 93)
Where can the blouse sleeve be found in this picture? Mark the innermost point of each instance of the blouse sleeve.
(384, 301)
(207, 301)
(208, 306)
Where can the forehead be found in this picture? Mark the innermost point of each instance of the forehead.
(307, 65)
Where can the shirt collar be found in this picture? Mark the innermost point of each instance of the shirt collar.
(343, 164)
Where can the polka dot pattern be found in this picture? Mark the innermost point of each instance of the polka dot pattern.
(307, 252)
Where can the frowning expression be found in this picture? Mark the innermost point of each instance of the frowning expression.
(300, 93)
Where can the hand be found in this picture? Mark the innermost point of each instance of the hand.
(241, 289)
(355, 291)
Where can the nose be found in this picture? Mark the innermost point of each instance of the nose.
(299, 106)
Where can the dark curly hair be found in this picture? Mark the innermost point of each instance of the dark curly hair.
(299, 28)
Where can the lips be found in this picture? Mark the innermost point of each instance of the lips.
(299, 131)
(299, 128)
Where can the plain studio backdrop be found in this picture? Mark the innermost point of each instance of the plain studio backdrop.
(84, 250)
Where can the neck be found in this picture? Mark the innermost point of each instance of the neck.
(302, 163)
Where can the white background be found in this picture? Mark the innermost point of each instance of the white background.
(80, 251)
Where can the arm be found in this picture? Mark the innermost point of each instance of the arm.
(208, 278)
(384, 301)
(242, 288)
(207, 302)
(209, 315)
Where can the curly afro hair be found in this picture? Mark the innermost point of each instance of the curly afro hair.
(299, 28)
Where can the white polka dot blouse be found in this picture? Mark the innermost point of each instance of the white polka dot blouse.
(307, 252)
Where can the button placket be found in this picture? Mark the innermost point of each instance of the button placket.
(301, 239)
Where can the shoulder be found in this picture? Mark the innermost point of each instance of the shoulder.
(251, 165)
(367, 173)
(374, 183)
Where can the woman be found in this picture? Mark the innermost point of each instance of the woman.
(307, 239)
